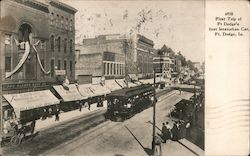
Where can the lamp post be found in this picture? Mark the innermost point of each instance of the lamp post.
(154, 102)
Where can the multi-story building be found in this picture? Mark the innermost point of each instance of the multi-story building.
(165, 63)
(101, 56)
(114, 56)
(37, 43)
(141, 63)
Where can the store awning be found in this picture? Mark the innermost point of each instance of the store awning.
(84, 90)
(112, 85)
(31, 100)
(99, 90)
(72, 94)
(121, 82)
(130, 84)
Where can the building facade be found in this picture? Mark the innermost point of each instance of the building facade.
(165, 62)
(143, 57)
(37, 41)
(115, 56)
(101, 56)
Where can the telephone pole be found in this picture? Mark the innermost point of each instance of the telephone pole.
(154, 103)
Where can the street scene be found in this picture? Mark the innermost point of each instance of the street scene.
(90, 78)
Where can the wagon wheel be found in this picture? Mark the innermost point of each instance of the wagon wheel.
(15, 140)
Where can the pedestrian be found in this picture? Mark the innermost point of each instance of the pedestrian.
(57, 114)
(33, 124)
(157, 149)
(179, 90)
(164, 133)
(168, 132)
(174, 131)
(182, 130)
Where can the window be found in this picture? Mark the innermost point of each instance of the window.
(42, 62)
(71, 68)
(52, 68)
(104, 68)
(67, 23)
(114, 72)
(65, 45)
(71, 25)
(62, 21)
(71, 46)
(52, 43)
(108, 68)
(59, 44)
(65, 65)
(59, 64)
(52, 18)
(57, 20)
(7, 64)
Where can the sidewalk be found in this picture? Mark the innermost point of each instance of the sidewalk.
(67, 116)
(71, 115)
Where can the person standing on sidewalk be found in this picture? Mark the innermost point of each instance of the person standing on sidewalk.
(164, 133)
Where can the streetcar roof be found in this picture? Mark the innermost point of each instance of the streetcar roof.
(129, 92)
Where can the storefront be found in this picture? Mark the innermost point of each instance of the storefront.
(70, 97)
(30, 106)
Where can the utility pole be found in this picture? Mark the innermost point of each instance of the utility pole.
(154, 103)
(1, 78)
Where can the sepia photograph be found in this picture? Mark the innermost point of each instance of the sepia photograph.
(105, 78)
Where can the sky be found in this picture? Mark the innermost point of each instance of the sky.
(179, 25)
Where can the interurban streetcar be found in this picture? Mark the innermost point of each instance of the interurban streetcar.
(126, 102)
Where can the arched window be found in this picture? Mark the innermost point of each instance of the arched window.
(52, 18)
(62, 21)
(71, 25)
(65, 45)
(71, 46)
(52, 42)
(57, 20)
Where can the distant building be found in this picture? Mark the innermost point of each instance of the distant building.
(27, 63)
(165, 62)
(114, 56)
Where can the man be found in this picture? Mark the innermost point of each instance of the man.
(164, 132)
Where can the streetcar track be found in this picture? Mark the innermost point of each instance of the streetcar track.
(69, 131)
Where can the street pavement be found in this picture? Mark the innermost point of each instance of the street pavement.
(132, 137)
(88, 133)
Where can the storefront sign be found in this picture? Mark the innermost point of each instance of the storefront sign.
(60, 72)
(17, 86)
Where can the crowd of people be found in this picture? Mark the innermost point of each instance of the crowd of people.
(174, 133)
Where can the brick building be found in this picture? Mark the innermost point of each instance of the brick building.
(114, 56)
(37, 39)
(101, 56)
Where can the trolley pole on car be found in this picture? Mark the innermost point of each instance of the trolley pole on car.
(154, 103)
